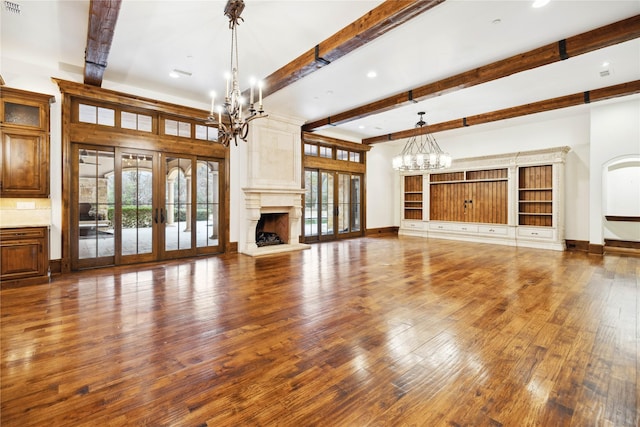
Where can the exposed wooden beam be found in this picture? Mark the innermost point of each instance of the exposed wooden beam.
(103, 15)
(609, 35)
(387, 16)
(573, 100)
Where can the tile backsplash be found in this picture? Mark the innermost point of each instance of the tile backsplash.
(24, 212)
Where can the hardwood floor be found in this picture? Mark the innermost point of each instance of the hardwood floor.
(367, 332)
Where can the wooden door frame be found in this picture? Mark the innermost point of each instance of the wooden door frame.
(81, 133)
(336, 188)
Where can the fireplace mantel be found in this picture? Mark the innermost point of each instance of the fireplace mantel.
(250, 190)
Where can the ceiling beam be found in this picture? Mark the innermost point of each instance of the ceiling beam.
(103, 15)
(375, 23)
(624, 89)
(609, 35)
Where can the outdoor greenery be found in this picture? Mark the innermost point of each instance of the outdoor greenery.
(137, 194)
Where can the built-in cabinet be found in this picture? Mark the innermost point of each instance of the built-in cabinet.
(24, 157)
(513, 199)
(24, 255)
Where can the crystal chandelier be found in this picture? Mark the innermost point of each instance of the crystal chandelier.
(237, 115)
(421, 152)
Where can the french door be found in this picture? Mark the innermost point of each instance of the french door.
(131, 206)
(333, 205)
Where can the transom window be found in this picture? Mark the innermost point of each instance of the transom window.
(328, 152)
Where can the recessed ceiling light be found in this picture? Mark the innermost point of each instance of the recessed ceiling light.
(540, 3)
(372, 74)
(605, 64)
(174, 75)
(361, 127)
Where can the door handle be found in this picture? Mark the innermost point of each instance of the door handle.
(162, 215)
(155, 217)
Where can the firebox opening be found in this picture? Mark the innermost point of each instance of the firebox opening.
(272, 229)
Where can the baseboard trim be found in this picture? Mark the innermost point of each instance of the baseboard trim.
(55, 266)
(577, 245)
(621, 247)
(381, 231)
(596, 249)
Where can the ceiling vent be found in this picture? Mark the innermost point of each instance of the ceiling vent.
(12, 7)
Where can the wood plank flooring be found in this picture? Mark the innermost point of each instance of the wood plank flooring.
(366, 332)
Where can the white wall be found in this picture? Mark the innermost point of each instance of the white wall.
(615, 133)
(383, 187)
(595, 133)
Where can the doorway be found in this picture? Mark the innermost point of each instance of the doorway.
(333, 205)
(131, 205)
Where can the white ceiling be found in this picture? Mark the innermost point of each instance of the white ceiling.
(153, 37)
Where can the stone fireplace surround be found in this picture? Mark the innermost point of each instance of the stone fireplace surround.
(272, 183)
(260, 201)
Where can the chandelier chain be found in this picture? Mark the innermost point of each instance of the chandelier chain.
(238, 124)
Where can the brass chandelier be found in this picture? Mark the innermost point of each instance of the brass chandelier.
(237, 116)
(421, 152)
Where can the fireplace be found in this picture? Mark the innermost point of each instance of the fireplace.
(272, 187)
(272, 229)
(276, 211)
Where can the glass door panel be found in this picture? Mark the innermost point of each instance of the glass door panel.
(356, 203)
(344, 190)
(311, 204)
(349, 214)
(94, 199)
(327, 207)
(136, 200)
(208, 207)
(177, 213)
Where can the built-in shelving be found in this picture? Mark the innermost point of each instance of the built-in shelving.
(535, 195)
(413, 197)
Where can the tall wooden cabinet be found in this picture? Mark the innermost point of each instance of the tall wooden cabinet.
(514, 199)
(24, 157)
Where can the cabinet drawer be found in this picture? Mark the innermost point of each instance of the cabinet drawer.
(537, 233)
(497, 230)
(22, 233)
(453, 226)
(413, 225)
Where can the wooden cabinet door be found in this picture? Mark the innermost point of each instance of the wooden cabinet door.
(23, 253)
(487, 202)
(482, 202)
(24, 164)
(447, 202)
